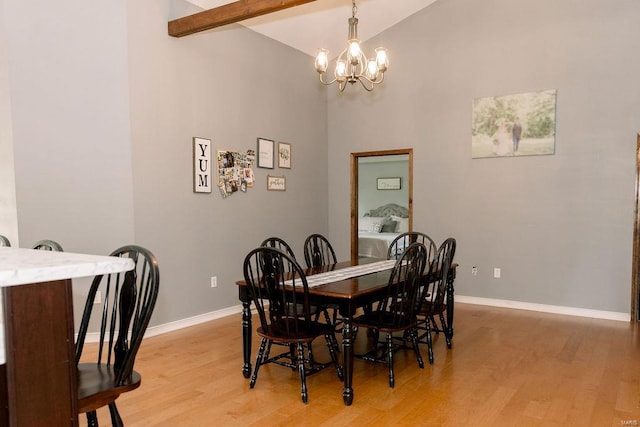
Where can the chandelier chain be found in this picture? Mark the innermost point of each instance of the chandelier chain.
(354, 9)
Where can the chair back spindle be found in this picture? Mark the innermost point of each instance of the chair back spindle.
(318, 251)
(401, 242)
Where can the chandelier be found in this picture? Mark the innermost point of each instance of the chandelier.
(352, 64)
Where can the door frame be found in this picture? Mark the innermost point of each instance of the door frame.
(635, 273)
(354, 190)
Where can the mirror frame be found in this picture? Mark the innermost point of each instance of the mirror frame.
(354, 190)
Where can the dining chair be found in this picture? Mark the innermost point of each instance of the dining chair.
(405, 239)
(279, 290)
(277, 242)
(126, 303)
(318, 251)
(396, 311)
(431, 299)
(47, 245)
(4, 241)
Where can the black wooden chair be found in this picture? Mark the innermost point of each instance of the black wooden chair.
(276, 242)
(431, 301)
(395, 312)
(318, 251)
(47, 245)
(4, 241)
(128, 300)
(405, 239)
(279, 289)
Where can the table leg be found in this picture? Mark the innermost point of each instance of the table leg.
(450, 304)
(347, 360)
(246, 332)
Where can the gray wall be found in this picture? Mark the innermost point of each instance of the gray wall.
(8, 213)
(104, 106)
(560, 226)
(229, 85)
(70, 111)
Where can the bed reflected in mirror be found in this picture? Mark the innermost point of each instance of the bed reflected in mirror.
(381, 200)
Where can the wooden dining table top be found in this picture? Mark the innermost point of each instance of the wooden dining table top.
(347, 288)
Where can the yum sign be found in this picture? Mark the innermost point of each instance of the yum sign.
(201, 165)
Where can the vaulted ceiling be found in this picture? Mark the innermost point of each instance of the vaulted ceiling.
(323, 23)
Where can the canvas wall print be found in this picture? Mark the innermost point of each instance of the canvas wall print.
(514, 125)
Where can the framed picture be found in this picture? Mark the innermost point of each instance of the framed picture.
(394, 183)
(201, 165)
(265, 153)
(284, 155)
(522, 124)
(276, 183)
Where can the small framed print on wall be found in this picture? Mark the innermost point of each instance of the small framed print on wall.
(284, 155)
(265, 153)
(276, 183)
(389, 183)
(201, 165)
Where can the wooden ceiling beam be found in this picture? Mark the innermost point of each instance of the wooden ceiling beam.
(228, 14)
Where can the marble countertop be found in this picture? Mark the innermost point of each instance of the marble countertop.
(22, 266)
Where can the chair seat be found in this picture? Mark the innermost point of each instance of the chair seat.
(304, 333)
(384, 322)
(96, 386)
(429, 308)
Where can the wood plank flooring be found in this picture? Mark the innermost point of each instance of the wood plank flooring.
(507, 368)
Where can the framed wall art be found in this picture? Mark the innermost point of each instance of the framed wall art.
(394, 183)
(276, 183)
(522, 124)
(284, 155)
(265, 153)
(201, 165)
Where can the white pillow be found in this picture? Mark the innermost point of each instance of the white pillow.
(366, 223)
(403, 224)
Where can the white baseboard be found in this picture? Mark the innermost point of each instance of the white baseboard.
(544, 308)
(178, 324)
(462, 299)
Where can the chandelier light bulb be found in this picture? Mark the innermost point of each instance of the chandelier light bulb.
(341, 71)
(322, 61)
(372, 70)
(352, 64)
(381, 59)
(354, 52)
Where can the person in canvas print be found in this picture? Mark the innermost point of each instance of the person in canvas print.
(502, 140)
(516, 134)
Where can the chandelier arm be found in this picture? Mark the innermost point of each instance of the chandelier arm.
(364, 85)
(326, 83)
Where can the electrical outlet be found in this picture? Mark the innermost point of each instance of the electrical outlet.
(474, 271)
(214, 281)
(496, 273)
(98, 298)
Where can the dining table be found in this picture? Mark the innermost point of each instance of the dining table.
(348, 294)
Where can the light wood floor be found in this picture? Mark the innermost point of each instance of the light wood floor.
(506, 368)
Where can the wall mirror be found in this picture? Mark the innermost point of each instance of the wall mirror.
(381, 199)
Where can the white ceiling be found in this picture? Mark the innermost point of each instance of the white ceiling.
(324, 23)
